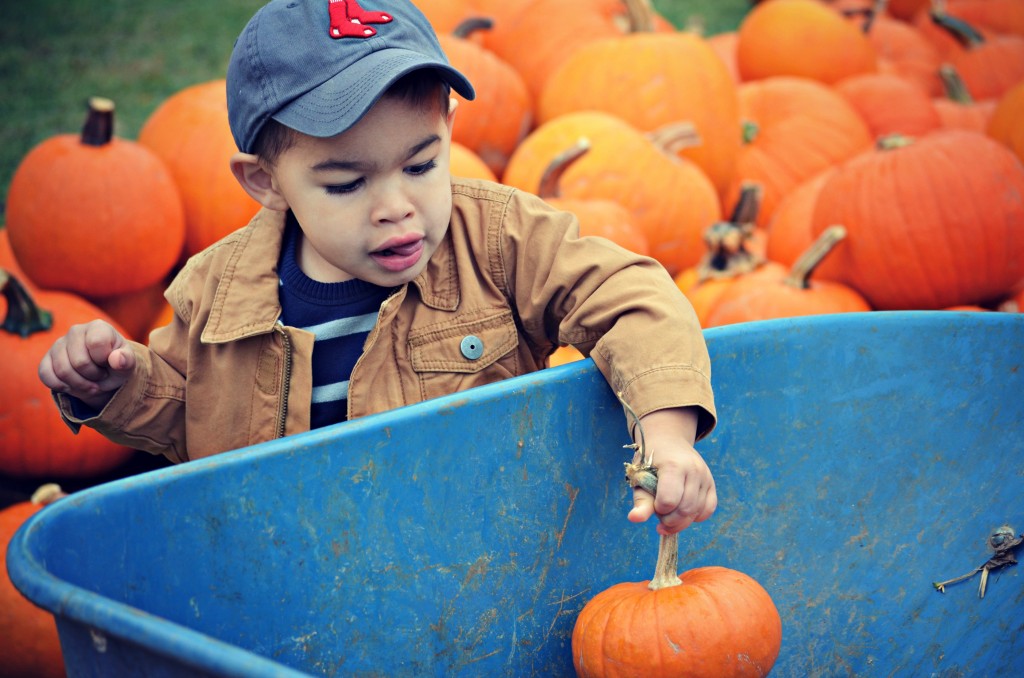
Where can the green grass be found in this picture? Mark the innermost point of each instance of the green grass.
(55, 54)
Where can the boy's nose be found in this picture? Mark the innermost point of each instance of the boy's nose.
(391, 204)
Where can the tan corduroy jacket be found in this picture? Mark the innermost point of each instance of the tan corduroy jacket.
(509, 283)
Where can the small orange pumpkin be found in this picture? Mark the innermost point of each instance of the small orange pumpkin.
(772, 291)
(190, 132)
(733, 251)
(28, 635)
(706, 623)
(94, 214)
(34, 442)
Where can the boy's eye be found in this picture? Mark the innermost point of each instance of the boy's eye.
(340, 189)
(422, 168)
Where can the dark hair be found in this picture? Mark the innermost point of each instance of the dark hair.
(423, 87)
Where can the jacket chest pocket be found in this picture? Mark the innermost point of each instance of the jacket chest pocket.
(465, 353)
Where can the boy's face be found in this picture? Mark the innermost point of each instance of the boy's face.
(373, 202)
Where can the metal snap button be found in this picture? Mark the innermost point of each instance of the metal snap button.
(472, 347)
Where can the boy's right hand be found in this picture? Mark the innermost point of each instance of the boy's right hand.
(90, 363)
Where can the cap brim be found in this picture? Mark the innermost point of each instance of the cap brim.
(340, 102)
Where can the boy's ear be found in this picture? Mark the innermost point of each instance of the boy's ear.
(257, 181)
(453, 103)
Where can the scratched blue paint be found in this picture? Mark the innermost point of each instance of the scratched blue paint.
(859, 458)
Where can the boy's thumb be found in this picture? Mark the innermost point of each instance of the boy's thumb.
(643, 506)
(122, 359)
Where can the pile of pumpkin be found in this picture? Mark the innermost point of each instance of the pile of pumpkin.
(875, 145)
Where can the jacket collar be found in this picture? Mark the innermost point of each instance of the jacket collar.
(247, 302)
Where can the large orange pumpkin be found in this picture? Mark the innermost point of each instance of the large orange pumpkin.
(501, 115)
(794, 128)
(671, 199)
(94, 214)
(29, 643)
(34, 442)
(932, 223)
(652, 79)
(802, 38)
(190, 131)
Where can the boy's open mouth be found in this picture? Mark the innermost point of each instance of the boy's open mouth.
(399, 256)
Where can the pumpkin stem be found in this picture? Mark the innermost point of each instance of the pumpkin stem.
(966, 34)
(99, 122)
(23, 314)
(471, 25)
(642, 473)
(748, 131)
(869, 13)
(956, 88)
(666, 570)
(641, 18)
(549, 181)
(800, 274)
(47, 494)
(727, 255)
(891, 142)
(675, 136)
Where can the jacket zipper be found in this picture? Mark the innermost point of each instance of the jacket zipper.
(282, 413)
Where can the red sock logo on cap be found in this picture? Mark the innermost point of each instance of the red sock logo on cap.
(348, 20)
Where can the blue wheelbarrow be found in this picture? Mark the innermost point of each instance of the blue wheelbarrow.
(860, 460)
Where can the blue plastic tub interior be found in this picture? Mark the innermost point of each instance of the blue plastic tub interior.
(859, 458)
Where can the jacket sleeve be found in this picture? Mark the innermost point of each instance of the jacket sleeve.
(148, 411)
(620, 308)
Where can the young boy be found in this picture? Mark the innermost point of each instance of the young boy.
(372, 279)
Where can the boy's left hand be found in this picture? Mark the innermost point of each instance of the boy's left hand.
(686, 488)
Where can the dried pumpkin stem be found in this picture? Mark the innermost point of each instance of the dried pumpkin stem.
(964, 33)
(549, 181)
(675, 136)
(800, 274)
(666, 570)
(471, 25)
(956, 88)
(643, 474)
(641, 18)
(98, 129)
(24, 317)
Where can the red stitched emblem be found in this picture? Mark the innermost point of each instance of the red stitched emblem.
(349, 20)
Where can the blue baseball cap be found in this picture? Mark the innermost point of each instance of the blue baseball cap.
(317, 66)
